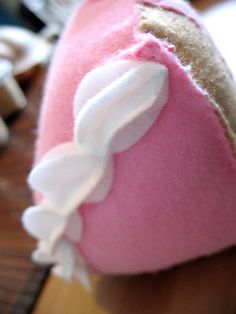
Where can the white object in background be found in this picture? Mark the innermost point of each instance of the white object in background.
(221, 24)
(12, 98)
(24, 49)
(4, 134)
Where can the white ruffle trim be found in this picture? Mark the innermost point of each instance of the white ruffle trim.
(115, 105)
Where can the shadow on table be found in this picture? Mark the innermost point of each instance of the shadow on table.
(202, 287)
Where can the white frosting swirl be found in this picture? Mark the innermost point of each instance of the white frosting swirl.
(115, 105)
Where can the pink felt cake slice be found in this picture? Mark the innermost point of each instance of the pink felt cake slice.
(135, 163)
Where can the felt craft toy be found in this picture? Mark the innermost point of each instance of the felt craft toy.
(135, 163)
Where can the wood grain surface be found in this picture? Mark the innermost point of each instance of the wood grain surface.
(206, 286)
(20, 279)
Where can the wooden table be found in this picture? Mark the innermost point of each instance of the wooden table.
(206, 286)
(20, 279)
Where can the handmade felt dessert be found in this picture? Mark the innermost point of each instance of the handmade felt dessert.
(135, 163)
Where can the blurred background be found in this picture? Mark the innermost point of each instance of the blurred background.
(34, 14)
(29, 30)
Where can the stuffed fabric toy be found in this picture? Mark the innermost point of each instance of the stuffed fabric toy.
(135, 163)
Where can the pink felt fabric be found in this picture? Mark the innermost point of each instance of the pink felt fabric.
(173, 194)
(99, 30)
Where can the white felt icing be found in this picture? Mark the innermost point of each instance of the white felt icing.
(115, 105)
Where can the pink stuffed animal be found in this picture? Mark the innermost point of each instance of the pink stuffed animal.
(135, 163)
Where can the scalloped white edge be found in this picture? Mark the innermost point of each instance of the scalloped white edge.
(114, 106)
